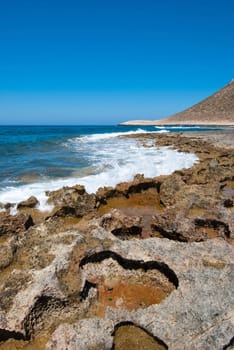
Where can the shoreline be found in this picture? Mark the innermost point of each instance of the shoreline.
(218, 138)
(104, 261)
(123, 166)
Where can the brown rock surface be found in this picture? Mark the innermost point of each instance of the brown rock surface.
(122, 225)
(129, 336)
(70, 283)
(195, 315)
(14, 224)
(71, 201)
(31, 202)
(7, 250)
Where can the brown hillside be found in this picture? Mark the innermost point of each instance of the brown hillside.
(218, 109)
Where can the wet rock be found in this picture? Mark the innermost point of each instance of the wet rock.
(103, 193)
(72, 201)
(121, 225)
(141, 205)
(31, 202)
(139, 184)
(14, 224)
(125, 283)
(124, 189)
(56, 197)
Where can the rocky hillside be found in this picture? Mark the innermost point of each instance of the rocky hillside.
(218, 109)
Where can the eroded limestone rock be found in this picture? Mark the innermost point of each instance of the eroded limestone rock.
(195, 308)
(181, 225)
(71, 201)
(122, 225)
(14, 224)
(61, 281)
(7, 250)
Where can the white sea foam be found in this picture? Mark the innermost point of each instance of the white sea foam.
(162, 131)
(98, 137)
(110, 160)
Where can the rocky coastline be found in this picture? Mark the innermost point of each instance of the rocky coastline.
(145, 265)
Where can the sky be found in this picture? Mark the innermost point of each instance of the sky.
(108, 61)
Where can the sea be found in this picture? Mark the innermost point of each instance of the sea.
(35, 159)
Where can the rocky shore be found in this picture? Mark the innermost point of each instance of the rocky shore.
(145, 265)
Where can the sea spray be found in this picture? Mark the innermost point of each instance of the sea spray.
(107, 159)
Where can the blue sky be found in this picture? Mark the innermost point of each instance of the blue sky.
(103, 62)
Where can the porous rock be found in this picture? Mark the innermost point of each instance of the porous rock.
(71, 201)
(41, 291)
(31, 202)
(169, 188)
(124, 189)
(14, 224)
(7, 250)
(121, 225)
(197, 315)
(178, 224)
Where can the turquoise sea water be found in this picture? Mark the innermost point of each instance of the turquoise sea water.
(37, 158)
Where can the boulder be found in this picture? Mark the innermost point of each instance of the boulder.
(72, 201)
(14, 224)
(31, 202)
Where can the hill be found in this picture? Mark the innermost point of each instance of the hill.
(217, 109)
